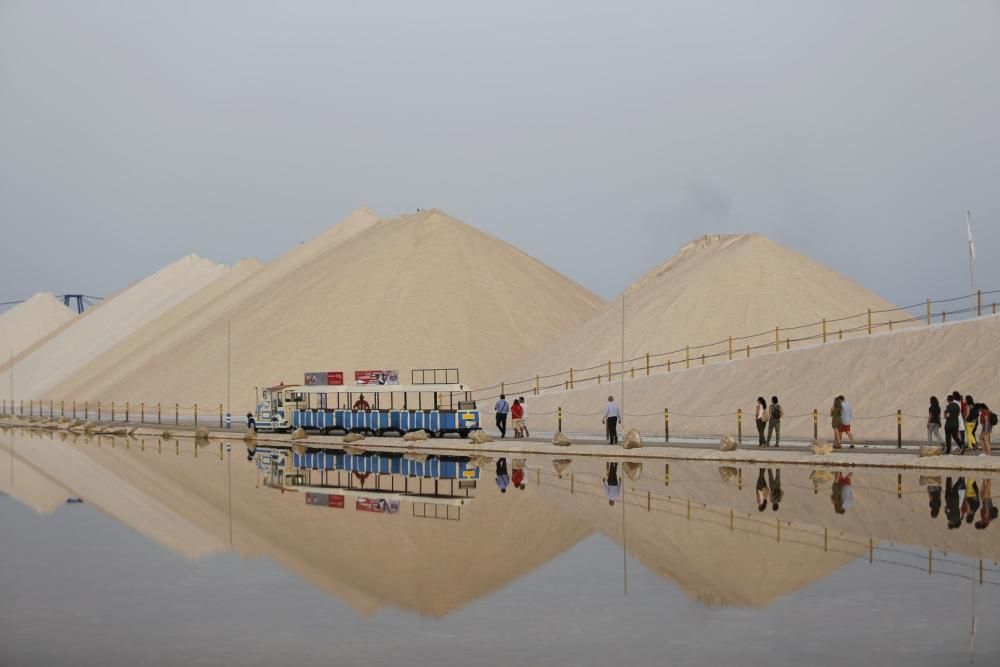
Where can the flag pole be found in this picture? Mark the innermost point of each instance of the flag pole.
(972, 259)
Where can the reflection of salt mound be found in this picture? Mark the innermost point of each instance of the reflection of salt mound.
(419, 291)
(28, 322)
(715, 287)
(99, 329)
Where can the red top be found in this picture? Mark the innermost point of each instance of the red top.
(516, 410)
(984, 416)
(361, 404)
(517, 478)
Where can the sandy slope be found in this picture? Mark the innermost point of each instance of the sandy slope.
(45, 364)
(30, 321)
(879, 374)
(422, 290)
(715, 287)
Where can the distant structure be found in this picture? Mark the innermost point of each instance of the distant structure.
(83, 301)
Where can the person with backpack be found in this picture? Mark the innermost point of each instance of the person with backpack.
(952, 420)
(761, 419)
(987, 420)
(774, 415)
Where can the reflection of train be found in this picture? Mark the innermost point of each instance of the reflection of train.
(439, 406)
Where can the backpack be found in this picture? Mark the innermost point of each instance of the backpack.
(775, 411)
(993, 419)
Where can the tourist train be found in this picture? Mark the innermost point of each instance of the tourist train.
(434, 401)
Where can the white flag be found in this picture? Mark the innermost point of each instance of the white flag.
(972, 244)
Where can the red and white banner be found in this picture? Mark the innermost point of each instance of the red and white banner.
(376, 377)
(324, 378)
(376, 505)
(325, 500)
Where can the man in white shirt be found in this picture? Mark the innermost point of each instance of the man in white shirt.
(502, 408)
(612, 415)
(846, 416)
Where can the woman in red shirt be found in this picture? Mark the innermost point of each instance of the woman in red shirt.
(517, 412)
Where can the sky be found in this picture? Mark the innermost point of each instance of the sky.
(598, 137)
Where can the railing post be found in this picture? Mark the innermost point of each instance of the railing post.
(112, 410)
(50, 409)
(31, 407)
(536, 385)
(159, 414)
(177, 414)
(815, 424)
(571, 378)
(979, 303)
(98, 411)
(220, 419)
(86, 410)
(502, 388)
(609, 371)
(668, 364)
(899, 429)
(647, 363)
(702, 358)
(730, 348)
(22, 407)
(195, 414)
(944, 316)
(687, 356)
(559, 413)
(899, 485)
(126, 411)
(739, 426)
(74, 409)
(824, 329)
(840, 334)
(869, 321)
(62, 408)
(142, 412)
(928, 311)
(777, 340)
(666, 425)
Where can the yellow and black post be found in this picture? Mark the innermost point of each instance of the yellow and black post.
(899, 429)
(739, 426)
(666, 425)
(559, 413)
(815, 424)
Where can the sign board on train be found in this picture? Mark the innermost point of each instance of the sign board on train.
(376, 377)
(324, 377)
(376, 505)
(325, 500)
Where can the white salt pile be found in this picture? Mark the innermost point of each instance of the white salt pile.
(715, 287)
(422, 290)
(99, 329)
(28, 322)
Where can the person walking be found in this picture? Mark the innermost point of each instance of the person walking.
(836, 421)
(761, 420)
(846, 416)
(612, 487)
(502, 408)
(971, 417)
(517, 412)
(934, 421)
(987, 420)
(775, 413)
(524, 419)
(612, 415)
(952, 419)
(961, 415)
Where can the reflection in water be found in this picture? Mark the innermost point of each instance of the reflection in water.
(424, 536)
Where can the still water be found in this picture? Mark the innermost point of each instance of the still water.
(185, 555)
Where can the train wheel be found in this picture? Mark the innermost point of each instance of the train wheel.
(463, 433)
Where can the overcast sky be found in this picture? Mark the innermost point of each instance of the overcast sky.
(598, 137)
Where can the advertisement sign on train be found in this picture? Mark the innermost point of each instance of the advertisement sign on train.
(376, 377)
(325, 500)
(376, 505)
(324, 377)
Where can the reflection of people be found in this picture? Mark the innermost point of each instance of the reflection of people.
(612, 487)
(517, 477)
(361, 404)
(843, 493)
(761, 491)
(953, 496)
(934, 494)
(251, 423)
(971, 504)
(503, 478)
(774, 486)
(988, 511)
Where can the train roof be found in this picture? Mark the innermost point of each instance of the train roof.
(378, 388)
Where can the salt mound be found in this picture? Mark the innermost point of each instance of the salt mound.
(353, 437)
(821, 448)
(728, 444)
(47, 363)
(929, 450)
(30, 321)
(480, 437)
(509, 302)
(299, 434)
(560, 440)
(633, 439)
(715, 287)
(415, 436)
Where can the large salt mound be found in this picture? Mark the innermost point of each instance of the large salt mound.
(28, 322)
(44, 365)
(422, 290)
(715, 287)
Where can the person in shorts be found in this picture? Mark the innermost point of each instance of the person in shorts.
(517, 414)
(846, 415)
(986, 419)
(524, 419)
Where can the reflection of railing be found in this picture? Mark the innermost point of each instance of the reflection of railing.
(779, 530)
(736, 347)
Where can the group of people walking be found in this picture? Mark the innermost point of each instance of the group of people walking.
(517, 413)
(963, 499)
(967, 424)
(768, 417)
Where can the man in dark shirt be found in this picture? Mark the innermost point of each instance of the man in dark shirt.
(952, 421)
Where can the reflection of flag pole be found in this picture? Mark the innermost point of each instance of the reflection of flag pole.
(972, 259)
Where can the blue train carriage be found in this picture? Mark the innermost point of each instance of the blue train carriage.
(436, 406)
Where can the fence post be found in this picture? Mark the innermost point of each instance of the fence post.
(126, 411)
(50, 409)
(979, 303)
(177, 414)
(702, 358)
(559, 412)
(944, 316)
(159, 414)
(840, 334)
(74, 409)
(98, 411)
(62, 408)
(195, 414)
(609, 371)
(687, 356)
(899, 485)
(824, 329)
(928, 311)
(730, 348)
(220, 419)
(666, 425)
(86, 410)
(647, 363)
(31, 407)
(739, 426)
(571, 378)
(777, 340)
(502, 390)
(22, 407)
(748, 350)
(142, 412)
(536, 385)
(890, 325)
(899, 429)
(112, 410)
(815, 424)
(668, 365)
(869, 321)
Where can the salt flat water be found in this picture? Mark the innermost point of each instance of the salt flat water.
(179, 554)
